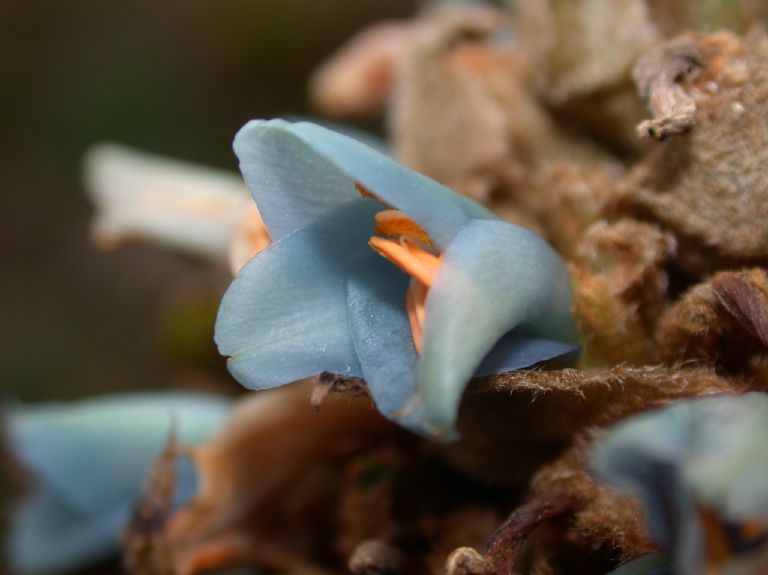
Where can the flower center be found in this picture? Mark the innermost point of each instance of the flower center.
(411, 250)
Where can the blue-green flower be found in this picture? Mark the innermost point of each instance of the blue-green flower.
(701, 468)
(487, 295)
(87, 461)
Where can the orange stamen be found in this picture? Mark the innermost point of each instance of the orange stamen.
(415, 303)
(753, 530)
(718, 547)
(411, 253)
(394, 223)
(409, 257)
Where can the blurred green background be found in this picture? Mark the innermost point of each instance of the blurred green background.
(175, 77)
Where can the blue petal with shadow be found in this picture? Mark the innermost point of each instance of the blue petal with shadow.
(94, 453)
(299, 171)
(88, 461)
(494, 277)
(284, 317)
(382, 337)
(47, 536)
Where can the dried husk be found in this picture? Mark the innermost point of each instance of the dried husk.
(709, 185)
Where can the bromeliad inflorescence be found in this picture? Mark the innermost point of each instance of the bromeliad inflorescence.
(479, 296)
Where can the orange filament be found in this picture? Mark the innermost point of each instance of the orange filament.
(409, 257)
(415, 304)
(753, 530)
(410, 253)
(718, 547)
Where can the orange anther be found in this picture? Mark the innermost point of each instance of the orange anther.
(395, 223)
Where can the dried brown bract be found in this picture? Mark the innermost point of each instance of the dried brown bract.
(620, 285)
(581, 62)
(569, 199)
(506, 547)
(606, 517)
(447, 72)
(143, 541)
(676, 16)
(513, 424)
(357, 80)
(710, 186)
(265, 481)
(577, 46)
(720, 322)
(463, 112)
(660, 76)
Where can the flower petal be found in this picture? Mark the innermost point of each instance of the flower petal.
(299, 171)
(93, 454)
(285, 315)
(382, 338)
(706, 453)
(517, 350)
(494, 277)
(46, 536)
(139, 195)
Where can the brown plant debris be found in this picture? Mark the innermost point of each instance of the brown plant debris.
(720, 322)
(570, 198)
(328, 383)
(357, 80)
(145, 551)
(577, 46)
(659, 77)
(620, 284)
(710, 186)
(507, 544)
(454, 67)
(376, 557)
(675, 16)
(745, 296)
(263, 479)
(607, 516)
(513, 424)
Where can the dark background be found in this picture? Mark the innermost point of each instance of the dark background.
(175, 77)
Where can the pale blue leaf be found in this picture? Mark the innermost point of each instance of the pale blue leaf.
(93, 454)
(285, 315)
(494, 277)
(382, 337)
(299, 171)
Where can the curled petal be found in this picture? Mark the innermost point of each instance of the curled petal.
(495, 277)
(285, 315)
(300, 171)
(87, 462)
(383, 340)
(141, 196)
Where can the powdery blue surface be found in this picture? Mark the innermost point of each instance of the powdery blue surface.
(318, 299)
(87, 461)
